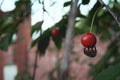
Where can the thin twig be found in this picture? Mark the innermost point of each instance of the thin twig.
(110, 11)
(35, 66)
(35, 63)
(36, 60)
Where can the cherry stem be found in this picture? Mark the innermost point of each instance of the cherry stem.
(91, 27)
(35, 66)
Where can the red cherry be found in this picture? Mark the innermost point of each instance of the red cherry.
(88, 40)
(55, 32)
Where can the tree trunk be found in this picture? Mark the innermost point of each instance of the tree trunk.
(2, 62)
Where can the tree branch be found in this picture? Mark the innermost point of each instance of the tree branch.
(110, 11)
(68, 40)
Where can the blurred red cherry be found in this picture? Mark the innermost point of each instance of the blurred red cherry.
(55, 32)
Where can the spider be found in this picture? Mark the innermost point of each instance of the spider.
(90, 51)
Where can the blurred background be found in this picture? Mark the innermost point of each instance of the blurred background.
(28, 50)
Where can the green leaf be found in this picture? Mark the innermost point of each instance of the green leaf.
(58, 41)
(4, 42)
(23, 76)
(43, 41)
(62, 30)
(111, 73)
(105, 34)
(79, 13)
(34, 42)
(67, 3)
(8, 21)
(78, 31)
(116, 1)
(36, 27)
(85, 2)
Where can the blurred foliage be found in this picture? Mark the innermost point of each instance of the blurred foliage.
(36, 27)
(67, 3)
(23, 76)
(4, 41)
(10, 20)
(104, 25)
(85, 1)
(43, 41)
(111, 73)
(46, 36)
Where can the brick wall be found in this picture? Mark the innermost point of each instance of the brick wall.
(22, 46)
(2, 62)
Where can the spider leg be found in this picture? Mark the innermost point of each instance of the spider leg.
(90, 51)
